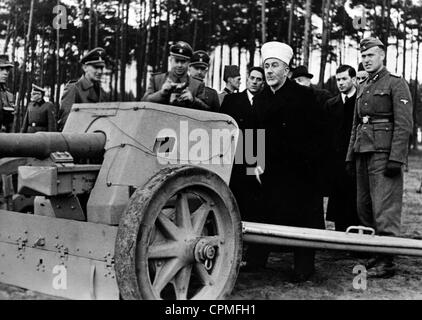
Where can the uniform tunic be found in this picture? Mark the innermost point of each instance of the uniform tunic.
(196, 87)
(81, 91)
(39, 116)
(381, 130)
(6, 108)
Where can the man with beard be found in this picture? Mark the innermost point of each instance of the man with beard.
(87, 89)
(245, 187)
(40, 114)
(292, 148)
(198, 69)
(6, 98)
(379, 142)
(176, 87)
(340, 110)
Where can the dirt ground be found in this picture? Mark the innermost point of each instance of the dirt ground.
(334, 276)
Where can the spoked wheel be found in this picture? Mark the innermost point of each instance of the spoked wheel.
(179, 238)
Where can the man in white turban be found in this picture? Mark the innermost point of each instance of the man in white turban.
(291, 150)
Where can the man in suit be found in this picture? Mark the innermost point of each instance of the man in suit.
(340, 110)
(291, 151)
(381, 130)
(40, 114)
(239, 106)
(6, 98)
(198, 69)
(232, 79)
(88, 88)
(176, 87)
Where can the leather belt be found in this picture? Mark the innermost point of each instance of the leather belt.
(370, 120)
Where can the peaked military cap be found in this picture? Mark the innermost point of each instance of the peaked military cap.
(4, 61)
(200, 58)
(231, 72)
(369, 43)
(94, 57)
(301, 71)
(181, 50)
(38, 88)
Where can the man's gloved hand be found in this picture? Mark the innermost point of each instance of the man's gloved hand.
(393, 169)
(351, 168)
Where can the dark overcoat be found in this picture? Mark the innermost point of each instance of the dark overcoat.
(81, 91)
(292, 125)
(246, 188)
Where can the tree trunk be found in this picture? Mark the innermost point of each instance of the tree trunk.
(324, 45)
(116, 53)
(58, 64)
(15, 35)
(164, 57)
(148, 27)
(42, 57)
(91, 13)
(123, 53)
(158, 61)
(8, 32)
(306, 41)
(291, 16)
(415, 93)
(97, 25)
(263, 22)
(404, 37)
(81, 33)
(18, 114)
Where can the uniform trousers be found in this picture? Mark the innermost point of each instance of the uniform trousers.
(379, 198)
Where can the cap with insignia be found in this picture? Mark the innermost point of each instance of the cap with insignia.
(36, 88)
(181, 50)
(4, 61)
(231, 72)
(200, 58)
(369, 43)
(94, 57)
(277, 50)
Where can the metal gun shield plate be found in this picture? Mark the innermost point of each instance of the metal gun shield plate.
(180, 238)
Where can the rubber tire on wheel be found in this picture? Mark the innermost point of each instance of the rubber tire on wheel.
(148, 243)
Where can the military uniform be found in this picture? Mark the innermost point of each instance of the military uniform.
(381, 129)
(6, 98)
(182, 51)
(82, 90)
(196, 87)
(6, 108)
(39, 116)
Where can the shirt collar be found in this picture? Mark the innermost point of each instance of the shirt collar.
(349, 95)
(86, 84)
(250, 96)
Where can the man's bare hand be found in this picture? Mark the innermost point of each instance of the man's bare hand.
(186, 96)
(168, 86)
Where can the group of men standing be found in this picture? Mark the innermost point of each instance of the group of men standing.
(356, 140)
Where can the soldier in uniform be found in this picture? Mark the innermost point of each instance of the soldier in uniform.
(40, 115)
(87, 89)
(380, 134)
(6, 98)
(198, 69)
(232, 79)
(177, 87)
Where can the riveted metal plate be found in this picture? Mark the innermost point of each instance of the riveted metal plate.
(46, 272)
(82, 239)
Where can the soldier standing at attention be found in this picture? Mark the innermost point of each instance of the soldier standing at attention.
(232, 79)
(198, 69)
(379, 143)
(6, 98)
(40, 115)
(176, 87)
(87, 89)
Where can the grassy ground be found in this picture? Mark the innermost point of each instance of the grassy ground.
(334, 277)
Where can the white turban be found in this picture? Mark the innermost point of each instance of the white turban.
(278, 50)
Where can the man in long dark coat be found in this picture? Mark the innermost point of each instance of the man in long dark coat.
(289, 179)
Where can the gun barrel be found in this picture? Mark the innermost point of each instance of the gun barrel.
(42, 144)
